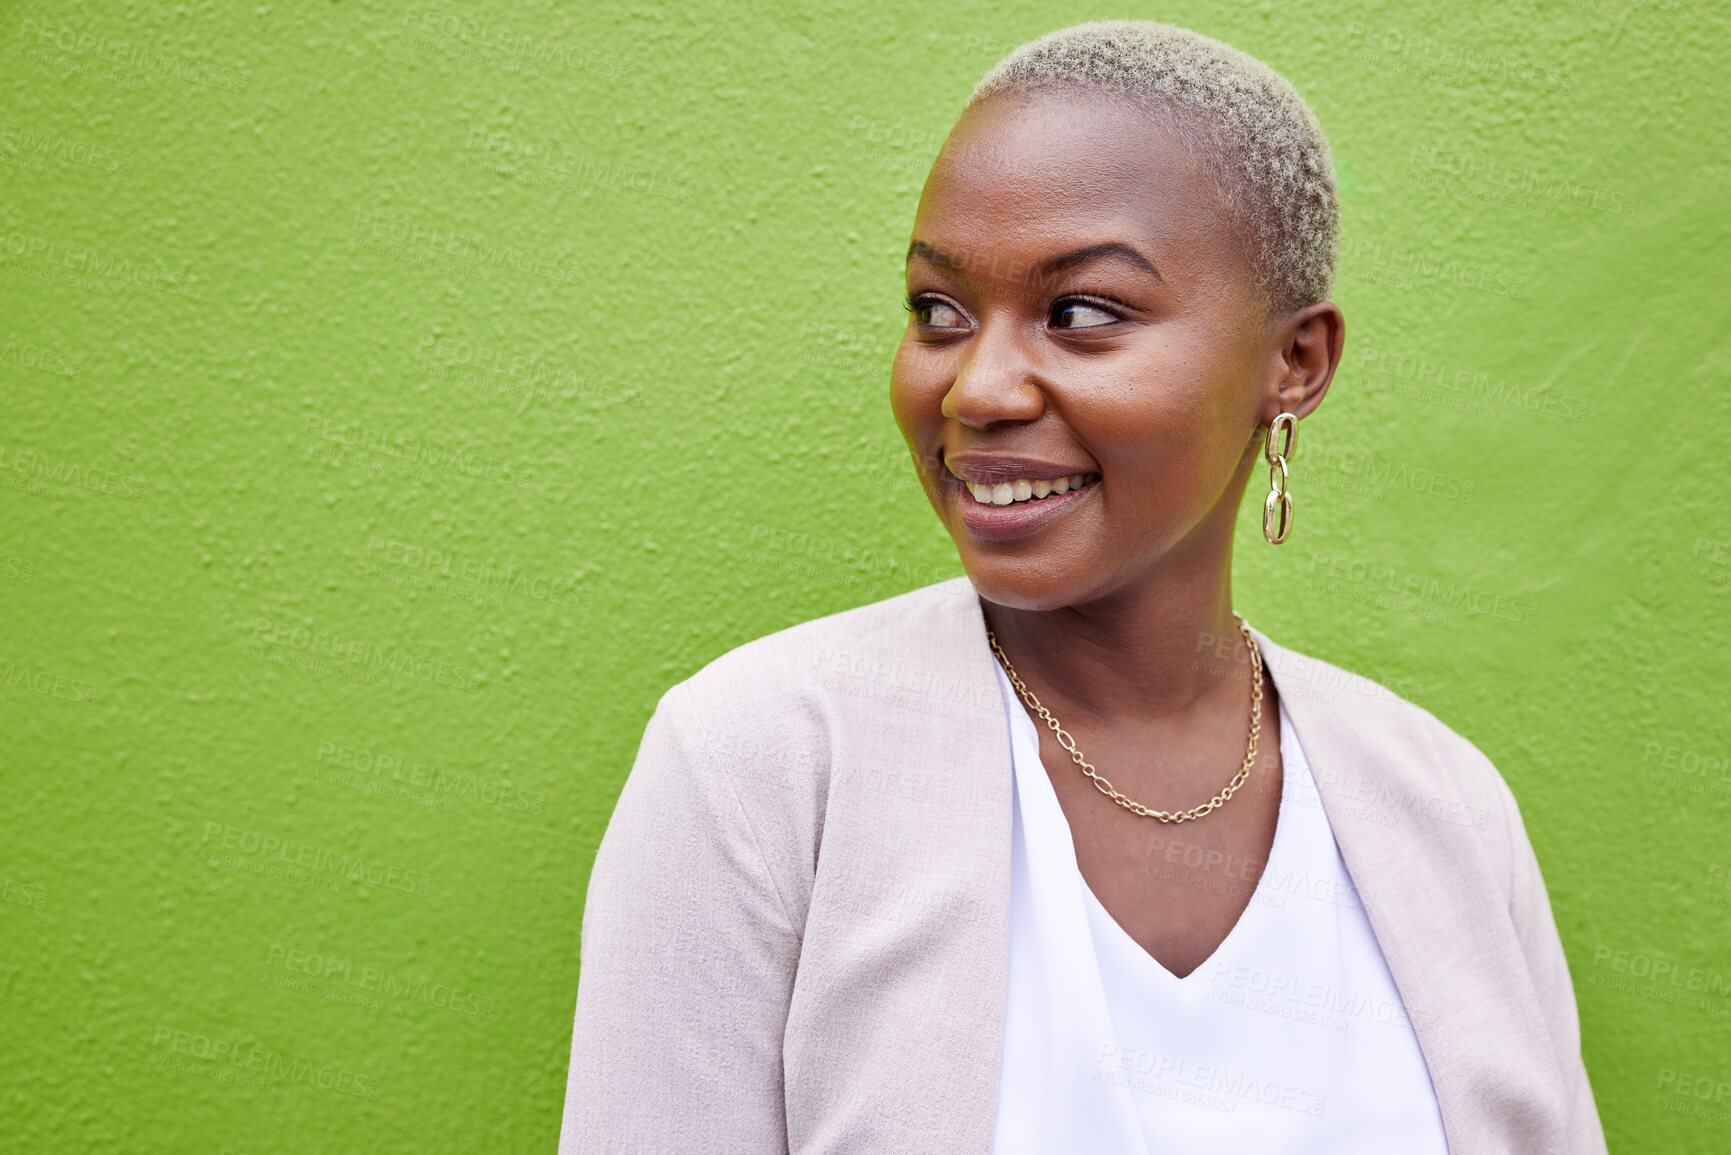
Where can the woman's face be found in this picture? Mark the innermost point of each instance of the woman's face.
(1081, 311)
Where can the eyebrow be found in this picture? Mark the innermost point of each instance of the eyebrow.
(1069, 260)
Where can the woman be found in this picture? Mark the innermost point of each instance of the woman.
(1063, 856)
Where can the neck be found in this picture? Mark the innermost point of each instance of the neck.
(1156, 646)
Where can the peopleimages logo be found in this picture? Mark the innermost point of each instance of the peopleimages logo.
(421, 237)
(408, 446)
(385, 659)
(436, 779)
(48, 683)
(35, 146)
(37, 467)
(1654, 969)
(108, 266)
(28, 356)
(354, 867)
(382, 981)
(129, 54)
(265, 1063)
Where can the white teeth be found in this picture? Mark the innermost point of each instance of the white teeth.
(1010, 492)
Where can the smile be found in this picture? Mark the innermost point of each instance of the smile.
(1024, 489)
(1010, 497)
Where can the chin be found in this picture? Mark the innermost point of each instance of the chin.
(1028, 584)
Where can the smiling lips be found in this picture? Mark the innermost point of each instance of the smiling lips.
(1005, 502)
(996, 483)
(1022, 489)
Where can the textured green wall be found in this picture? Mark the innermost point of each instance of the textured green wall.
(397, 402)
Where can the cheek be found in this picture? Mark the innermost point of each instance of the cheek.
(1136, 427)
(1173, 437)
(918, 385)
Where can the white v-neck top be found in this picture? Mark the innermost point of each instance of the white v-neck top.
(1291, 1038)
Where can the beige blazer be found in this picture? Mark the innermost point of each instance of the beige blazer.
(796, 931)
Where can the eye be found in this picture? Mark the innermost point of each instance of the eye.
(1080, 315)
(937, 313)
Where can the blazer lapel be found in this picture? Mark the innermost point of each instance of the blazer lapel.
(895, 1025)
(1416, 840)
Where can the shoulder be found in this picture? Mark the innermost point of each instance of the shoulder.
(765, 736)
(1330, 695)
(907, 623)
(923, 650)
(1400, 764)
(887, 640)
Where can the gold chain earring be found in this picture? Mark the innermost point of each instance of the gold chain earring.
(1277, 507)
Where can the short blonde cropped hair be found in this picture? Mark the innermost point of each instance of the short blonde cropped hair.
(1258, 139)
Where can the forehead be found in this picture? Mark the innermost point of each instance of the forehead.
(1063, 168)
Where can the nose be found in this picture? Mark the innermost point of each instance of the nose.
(995, 382)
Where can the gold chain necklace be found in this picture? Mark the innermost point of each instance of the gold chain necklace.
(1105, 787)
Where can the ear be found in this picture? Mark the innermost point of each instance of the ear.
(1308, 345)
